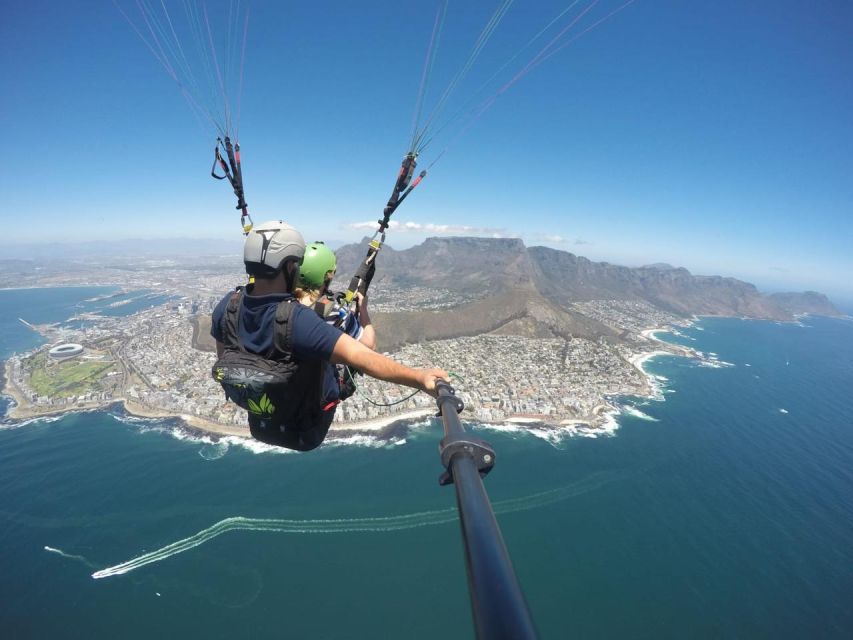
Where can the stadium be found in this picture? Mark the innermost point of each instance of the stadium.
(65, 351)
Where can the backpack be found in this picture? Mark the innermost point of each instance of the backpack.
(278, 390)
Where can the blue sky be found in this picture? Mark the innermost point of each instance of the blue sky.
(711, 135)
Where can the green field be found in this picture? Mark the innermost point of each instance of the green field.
(68, 378)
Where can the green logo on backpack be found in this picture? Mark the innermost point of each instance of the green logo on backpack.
(263, 407)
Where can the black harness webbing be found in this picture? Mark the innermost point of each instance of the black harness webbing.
(232, 169)
(282, 335)
(402, 188)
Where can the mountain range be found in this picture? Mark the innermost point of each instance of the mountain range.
(514, 289)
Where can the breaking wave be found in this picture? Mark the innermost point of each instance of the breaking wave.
(214, 450)
(17, 424)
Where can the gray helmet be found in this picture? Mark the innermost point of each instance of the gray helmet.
(269, 245)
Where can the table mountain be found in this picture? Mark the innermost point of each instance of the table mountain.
(529, 290)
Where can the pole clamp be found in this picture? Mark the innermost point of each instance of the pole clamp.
(480, 451)
(447, 396)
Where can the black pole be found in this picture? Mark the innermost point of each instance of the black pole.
(497, 602)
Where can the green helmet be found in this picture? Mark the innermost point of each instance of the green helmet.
(318, 261)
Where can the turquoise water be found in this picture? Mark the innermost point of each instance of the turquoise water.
(724, 518)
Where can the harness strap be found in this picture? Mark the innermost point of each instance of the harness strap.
(233, 171)
(231, 333)
(283, 336)
(283, 333)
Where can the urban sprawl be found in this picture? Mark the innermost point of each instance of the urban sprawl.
(150, 360)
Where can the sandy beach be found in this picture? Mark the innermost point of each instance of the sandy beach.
(520, 420)
(664, 348)
(651, 334)
(209, 426)
(641, 358)
(376, 424)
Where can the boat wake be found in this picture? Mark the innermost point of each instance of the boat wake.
(345, 525)
(70, 556)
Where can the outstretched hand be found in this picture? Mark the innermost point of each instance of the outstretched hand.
(430, 378)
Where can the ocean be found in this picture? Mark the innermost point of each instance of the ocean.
(723, 509)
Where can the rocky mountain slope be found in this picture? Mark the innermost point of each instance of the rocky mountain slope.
(530, 291)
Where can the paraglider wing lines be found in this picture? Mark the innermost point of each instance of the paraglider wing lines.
(482, 39)
(207, 92)
(428, 64)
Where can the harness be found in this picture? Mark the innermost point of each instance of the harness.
(330, 307)
(277, 389)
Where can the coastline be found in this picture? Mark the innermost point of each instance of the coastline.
(603, 416)
(20, 410)
(612, 394)
(651, 334)
(600, 420)
(639, 359)
(377, 424)
(338, 428)
(10, 390)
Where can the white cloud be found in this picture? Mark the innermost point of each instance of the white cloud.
(361, 225)
(430, 227)
(553, 238)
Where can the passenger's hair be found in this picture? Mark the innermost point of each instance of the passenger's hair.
(313, 292)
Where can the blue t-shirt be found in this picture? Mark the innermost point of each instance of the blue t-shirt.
(313, 339)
